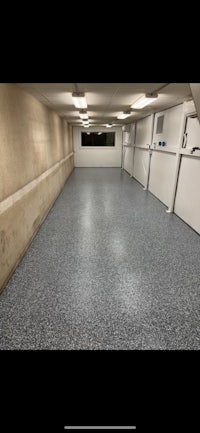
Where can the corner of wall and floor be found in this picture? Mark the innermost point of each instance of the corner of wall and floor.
(36, 160)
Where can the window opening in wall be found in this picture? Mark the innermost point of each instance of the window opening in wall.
(98, 139)
(159, 128)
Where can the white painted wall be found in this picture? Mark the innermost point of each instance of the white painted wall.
(141, 157)
(187, 203)
(97, 157)
(128, 160)
(195, 89)
(144, 131)
(141, 153)
(129, 138)
(161, 175)
(171, 127)
(193, 133)
(163, 160)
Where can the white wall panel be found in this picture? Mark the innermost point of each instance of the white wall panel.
(97, 157)
(128, 160)
(187, 203)
(140, 167)
(195, 88)
(161, 175)
(141, 156)
(143, 131)
(193, 132)
(171, 127)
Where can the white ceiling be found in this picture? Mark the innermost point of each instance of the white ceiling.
(106, 100)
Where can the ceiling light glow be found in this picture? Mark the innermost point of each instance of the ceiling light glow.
(83, 114)
(144, 100)
(79, 100)
(124, 115)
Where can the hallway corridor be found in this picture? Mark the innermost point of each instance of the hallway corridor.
(108, 269)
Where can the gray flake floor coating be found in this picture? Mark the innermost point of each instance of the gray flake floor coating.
(108, 269)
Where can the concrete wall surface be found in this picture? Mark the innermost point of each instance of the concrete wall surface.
(36, 159)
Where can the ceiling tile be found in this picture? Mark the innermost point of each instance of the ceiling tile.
(106, 100)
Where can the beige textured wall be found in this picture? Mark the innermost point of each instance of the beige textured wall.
(35, 160)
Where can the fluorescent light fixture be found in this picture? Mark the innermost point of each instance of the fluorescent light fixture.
(144, 100)
(85, 122)
(83, 114)
(124, 115)
(79, 100)
(109, 125)
(86, 126)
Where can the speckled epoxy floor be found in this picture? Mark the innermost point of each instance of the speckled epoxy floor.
(108, 269)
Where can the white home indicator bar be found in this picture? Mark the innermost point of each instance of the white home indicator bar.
(100, 427)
